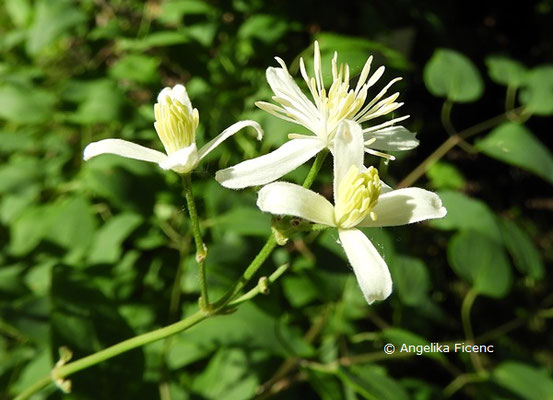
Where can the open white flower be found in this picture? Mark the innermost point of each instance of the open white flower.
(361, 200)
(322, 116)
(175, 123)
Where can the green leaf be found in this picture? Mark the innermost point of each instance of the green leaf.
(443, 175)
(482, 262)
(106, 247)
(172, 11)
(528, 382)
(99, 101)
(299, 290)
(506, 71)
(411, 279)
(52, 20)
(230, 374)
(27, 231)
(465, 213)
(452, 75)
(25, 105)
(245, 221)
(266, 28)
(137, 68)
(372, 382)
(36, 369)
(526, 256)
(19, 11)
(156, 39)
(537, 92)
(516, 145)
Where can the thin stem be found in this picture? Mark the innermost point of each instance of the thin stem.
(110, 352)
(262, 286)
(451, 142)
(201, 249)
(446, 117)
(468, 301)
(317, 164)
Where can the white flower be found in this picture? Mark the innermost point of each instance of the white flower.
(322, 117)
(175, 123)
(361, 200)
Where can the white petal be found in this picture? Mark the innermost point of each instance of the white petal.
(283, 198)
(406, 206)
(348, 150)
(231, 130)
(393, 138)
(124, 149)
(178, 92)
(183, 160)
(370, 268)
(269, 167)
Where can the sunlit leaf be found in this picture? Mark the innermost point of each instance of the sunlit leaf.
(537, 93)
(506, 71)
(525, 255)
(516, 145)
(443, 175)
(482, 262)
(526, 381)
(452, 75)
(411, 279)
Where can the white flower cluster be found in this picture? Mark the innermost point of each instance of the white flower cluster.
(336, 118)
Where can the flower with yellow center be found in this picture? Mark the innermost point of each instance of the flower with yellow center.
(361, 200)
(175, 123)
(322, 116)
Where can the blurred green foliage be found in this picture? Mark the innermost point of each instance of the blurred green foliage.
(92, 254)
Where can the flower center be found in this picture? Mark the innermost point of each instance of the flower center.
(357, 194)
(175, 124)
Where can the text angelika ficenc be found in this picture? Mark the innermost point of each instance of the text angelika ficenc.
(446, 348)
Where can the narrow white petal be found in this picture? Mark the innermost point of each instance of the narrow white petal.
(406, 206)
(393, 138)
(269, 167)
(348, 150)
(283, 85)
(283, 198)
(183, 160)
(370, 268)
(124, 149)
(231, 130)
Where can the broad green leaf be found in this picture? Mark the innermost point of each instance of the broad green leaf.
(464, 213)
(526, 256)
(230, 375)
(25, 105)
(411, 279)
(516, 145)
(72, 224)
(537, 92)
(19, 11)
(106, 247)
(156, 39)
(528, 382)
(29, 229)
(36, 369)
(326, 386)
(452, 75)
(172, 11)
(99, 101)
(299, 290)
(443, 175)
(245, 221)
(372, 383)
(267, 28)
(482, 262)
(506, 71)
(52, 19)
(137, 68)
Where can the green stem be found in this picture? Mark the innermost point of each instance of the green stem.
(317, 164)
(162, 333)
(468, 301)
(451, 142)
(446, 117)
(110, 352)
(201, 249)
